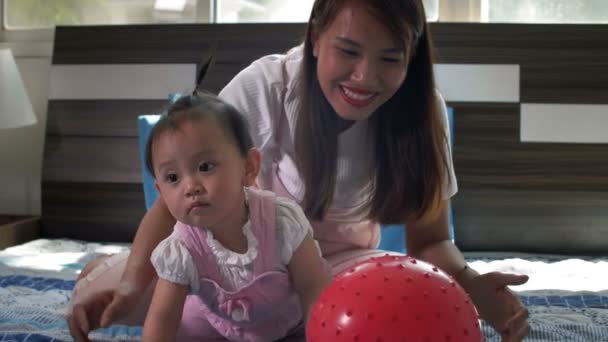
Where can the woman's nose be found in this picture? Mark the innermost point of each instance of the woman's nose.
(364, 72)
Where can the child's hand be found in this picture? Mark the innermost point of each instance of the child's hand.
(498, 305)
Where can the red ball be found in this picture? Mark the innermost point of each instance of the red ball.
(392, 299)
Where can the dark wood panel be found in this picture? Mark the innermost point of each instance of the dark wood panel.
(566, 37)
(550, 75)
(181, 43)
(220, 74)
(92, 212)
(520, 52)
(531, 221)
(569, 81)
(91, 160)
(102, 118)
(240, 51)
(513, 195)
(184, 43)
(488, 154)
(550, 55)
(559, 63)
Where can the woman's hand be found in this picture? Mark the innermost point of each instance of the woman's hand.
(100, 309)
(498, 305)
(114, 299)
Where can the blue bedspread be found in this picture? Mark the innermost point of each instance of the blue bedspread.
(33, 299)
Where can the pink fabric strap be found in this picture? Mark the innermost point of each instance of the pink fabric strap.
(196, 241)
(262, 215)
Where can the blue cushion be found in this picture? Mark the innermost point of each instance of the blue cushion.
(145, 123)
(392, 237)
(144, 127)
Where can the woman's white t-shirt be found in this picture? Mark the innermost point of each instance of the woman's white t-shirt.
(266, 92)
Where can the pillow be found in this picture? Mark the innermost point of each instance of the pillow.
(144, 127)
(392, 236)
(145, 123)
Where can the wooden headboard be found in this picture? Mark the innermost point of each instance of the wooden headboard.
(513, 195)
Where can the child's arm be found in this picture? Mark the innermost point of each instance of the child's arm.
(165, 312)
(308, 273)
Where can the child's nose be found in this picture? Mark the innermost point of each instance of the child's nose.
(194, 187)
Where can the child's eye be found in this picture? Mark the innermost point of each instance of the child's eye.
(171, 178)
(206, 167)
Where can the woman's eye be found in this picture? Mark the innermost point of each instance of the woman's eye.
(349, 53)
(171, 178)
(206, 167)
(391, 59)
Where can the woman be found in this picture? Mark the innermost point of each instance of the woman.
(349, 125)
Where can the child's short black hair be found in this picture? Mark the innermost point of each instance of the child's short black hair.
(197, 106)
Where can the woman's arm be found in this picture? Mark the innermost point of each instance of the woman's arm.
(429, 239)
(156, 225)
(165, 312)
(309, 274)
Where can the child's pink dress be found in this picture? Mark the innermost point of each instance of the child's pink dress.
(264, 307)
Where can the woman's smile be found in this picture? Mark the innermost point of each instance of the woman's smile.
(357, 97)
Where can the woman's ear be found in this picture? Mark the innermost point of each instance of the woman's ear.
(252, 166)
(314, 42)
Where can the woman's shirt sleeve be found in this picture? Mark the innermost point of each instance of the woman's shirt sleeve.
(450, 185)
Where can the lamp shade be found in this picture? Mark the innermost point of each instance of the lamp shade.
(15, 107)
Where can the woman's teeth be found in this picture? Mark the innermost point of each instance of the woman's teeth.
(356, 96)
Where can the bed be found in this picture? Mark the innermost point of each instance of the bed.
(567, 296)
(553, 201)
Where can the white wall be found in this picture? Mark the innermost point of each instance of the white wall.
(21, 149)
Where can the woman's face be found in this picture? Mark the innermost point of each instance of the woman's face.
(359, 64)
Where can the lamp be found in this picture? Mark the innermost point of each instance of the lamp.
(15, 107)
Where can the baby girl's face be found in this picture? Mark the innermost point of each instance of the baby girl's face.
(199, 174)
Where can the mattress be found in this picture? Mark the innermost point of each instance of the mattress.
(567, 296)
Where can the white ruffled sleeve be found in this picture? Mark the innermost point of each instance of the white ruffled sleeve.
(292, 227)
(173, 262)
